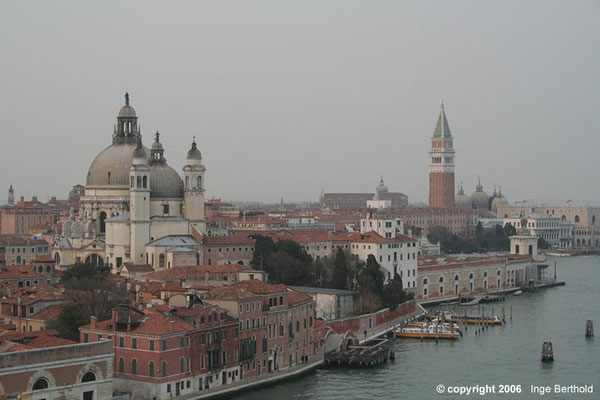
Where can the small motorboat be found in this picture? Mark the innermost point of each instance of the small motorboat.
(518, 293)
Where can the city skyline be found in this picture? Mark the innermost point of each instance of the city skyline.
(289, 114)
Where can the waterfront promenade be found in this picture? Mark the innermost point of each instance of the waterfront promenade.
(258, 381)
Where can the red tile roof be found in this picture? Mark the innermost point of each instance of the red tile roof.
(296, 297)
(49, 313)
(238, 238)
(43, 341)
(18, 272)
(196, 271)
(367, 237)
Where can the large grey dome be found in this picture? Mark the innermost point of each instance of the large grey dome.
(461, 200)
(111, 166)
(165, 182)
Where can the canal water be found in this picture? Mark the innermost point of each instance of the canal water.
(503, 355)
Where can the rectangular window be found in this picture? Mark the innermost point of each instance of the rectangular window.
(85, 338)
(152, 345)
(165, 208)
(164, 344)
(121, 341)
(134, 343)
(181, 341)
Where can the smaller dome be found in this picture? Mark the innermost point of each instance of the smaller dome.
(139, 152)
(194, 153)
(461, 200)
(157, 146)
(127, 112)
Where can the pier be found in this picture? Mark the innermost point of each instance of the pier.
(369, 354)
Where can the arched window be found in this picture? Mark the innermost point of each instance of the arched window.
(134, 366)
(485, 274)
(57, 258)
(471, 275)
(88, 377)
(181, 365)
(199, 182)
(593, 220)
(164, 369)
(40, 384)
(139, 182)
(131, 183)
(577, 219)
(121, 365)
(151, 369)
(102, 222)
(48, 268)
(441, 280)
(456, 277)
(425, 281)
(145, 182)
(161, 261)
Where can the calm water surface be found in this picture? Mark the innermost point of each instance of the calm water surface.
(508, 354)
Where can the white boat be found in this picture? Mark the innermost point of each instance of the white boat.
(426, 332)
(558, 254)
(518, 293)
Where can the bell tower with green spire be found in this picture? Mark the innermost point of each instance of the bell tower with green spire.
(441, 164)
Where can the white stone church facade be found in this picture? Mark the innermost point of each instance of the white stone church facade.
(133, 198)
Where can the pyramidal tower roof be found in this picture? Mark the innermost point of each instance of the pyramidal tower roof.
(442, 129)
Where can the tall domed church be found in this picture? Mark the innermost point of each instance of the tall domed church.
(132, 199)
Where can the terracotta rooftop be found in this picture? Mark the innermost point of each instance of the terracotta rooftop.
(367, 237)
(18, 272)
(196, 271)
(49, 313)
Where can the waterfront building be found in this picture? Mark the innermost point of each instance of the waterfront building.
(132, 197)
(276, 324)
(52, 368)
(584, 217)
(353, 201)
(441, 164)
(163, 355)
(558, 233)
(331, 303)
(206, 275)
(397, 254)
(459, 221)
(450, 276)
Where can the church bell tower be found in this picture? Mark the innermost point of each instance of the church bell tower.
(441, 164)
(193, 197)
(139, 204)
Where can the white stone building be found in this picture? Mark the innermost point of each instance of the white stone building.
(558, 233)
(132, 197)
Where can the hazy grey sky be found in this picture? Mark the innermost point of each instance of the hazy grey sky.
(287, 97)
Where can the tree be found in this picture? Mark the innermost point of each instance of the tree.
(371, 277)
(543, 244)
(509, 230)
(262, 248)
(340, 270)
(393, 293)
(79, 271)
(69, 320)
(92, 292)
(438, 233)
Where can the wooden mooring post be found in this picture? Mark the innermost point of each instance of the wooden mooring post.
(547, 352)
(511, 312)
(589, 328)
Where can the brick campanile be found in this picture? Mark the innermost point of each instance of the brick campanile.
(441, 164)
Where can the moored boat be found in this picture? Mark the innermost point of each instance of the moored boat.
(426, 332)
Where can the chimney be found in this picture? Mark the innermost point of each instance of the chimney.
(94, 320)
(115, 314)
(22, 198)
(172, 323)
